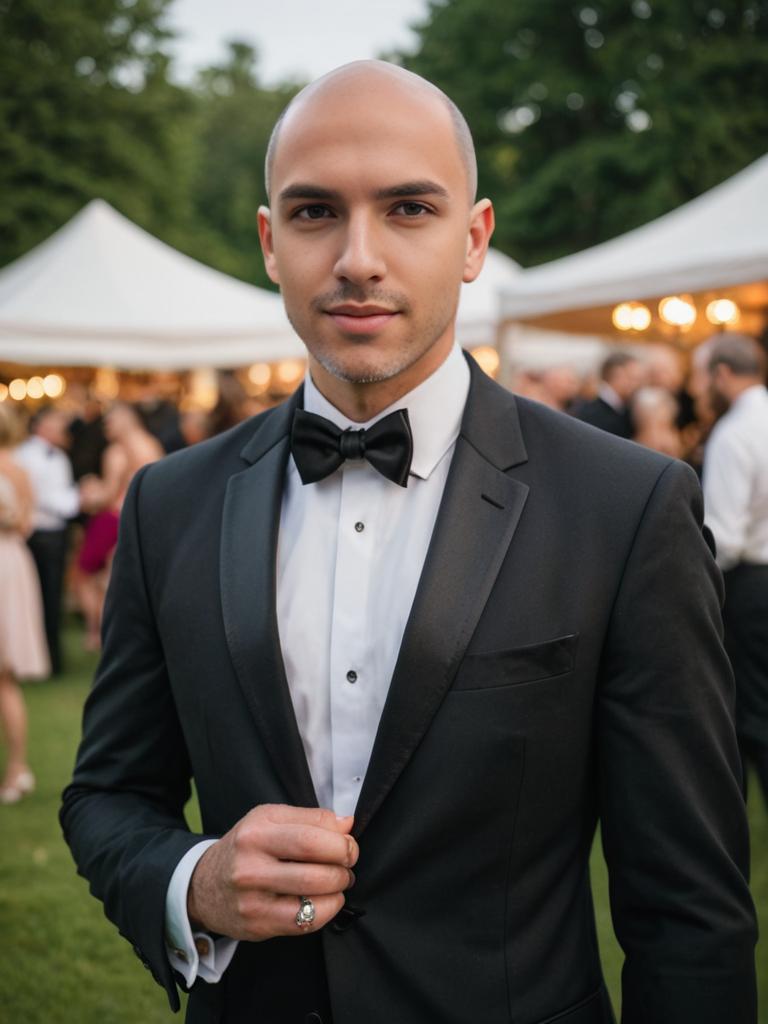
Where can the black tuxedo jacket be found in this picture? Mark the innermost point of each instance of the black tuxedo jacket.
(562, 664)
(599, 413)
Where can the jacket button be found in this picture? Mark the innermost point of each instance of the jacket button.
(346, 917)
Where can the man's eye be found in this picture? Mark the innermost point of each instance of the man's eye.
(411, 209)
(315, 212)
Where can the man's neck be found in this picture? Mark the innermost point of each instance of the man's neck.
(361, 402)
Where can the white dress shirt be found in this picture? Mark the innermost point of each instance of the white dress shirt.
(736, 481)
(50, 473)
(351, 549)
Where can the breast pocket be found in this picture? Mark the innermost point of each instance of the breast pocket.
(529, 664)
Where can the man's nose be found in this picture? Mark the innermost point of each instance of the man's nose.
(361, 258)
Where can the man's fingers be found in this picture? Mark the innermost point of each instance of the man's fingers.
(291, 879)
(310, 844)
(320, 817)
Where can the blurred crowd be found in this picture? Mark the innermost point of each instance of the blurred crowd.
(65, 470)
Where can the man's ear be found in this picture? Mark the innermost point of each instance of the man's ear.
(264, 218)
(481, 225)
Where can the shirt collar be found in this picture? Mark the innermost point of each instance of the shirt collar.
(609, 396)
(435, 409)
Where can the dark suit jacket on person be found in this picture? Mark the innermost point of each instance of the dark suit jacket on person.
(598, 413)
(562, 663)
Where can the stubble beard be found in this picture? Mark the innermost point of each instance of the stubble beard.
(390, 365)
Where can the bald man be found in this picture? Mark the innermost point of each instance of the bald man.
(411, 637)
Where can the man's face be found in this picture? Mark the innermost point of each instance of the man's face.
(627, 379)
(53, 428)
(370, 231)
(719, 389)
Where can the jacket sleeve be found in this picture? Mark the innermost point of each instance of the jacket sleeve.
(673, 818)
(122, 814)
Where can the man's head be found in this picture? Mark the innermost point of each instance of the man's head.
(734, 362)
(52, 425)
(373, 225)
(121, 420)
(624, 373)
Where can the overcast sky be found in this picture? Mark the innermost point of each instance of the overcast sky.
(297, 39)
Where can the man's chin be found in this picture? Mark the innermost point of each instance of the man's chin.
(360, 368)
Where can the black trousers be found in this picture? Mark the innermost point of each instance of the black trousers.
(746, 640)
(49, 550)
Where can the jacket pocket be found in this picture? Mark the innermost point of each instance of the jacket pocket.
(519, 665)
(595, 1009)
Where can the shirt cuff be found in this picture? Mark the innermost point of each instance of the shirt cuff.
(193, 954)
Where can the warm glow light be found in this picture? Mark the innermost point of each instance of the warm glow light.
(631, 316)
(722, 311)
(203, 389)
(677, 311)
(54, 385)
(35, 387)
(259, 374)
(487, 358)
(3, 392)
(105, 383)
(17, 389)
(289, 371)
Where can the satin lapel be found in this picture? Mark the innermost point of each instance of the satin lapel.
(479, 513)
(249, 533)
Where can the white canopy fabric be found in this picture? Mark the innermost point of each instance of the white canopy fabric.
(718, 240)
(103, 292)
(480, 312)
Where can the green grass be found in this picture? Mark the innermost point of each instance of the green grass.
(64, 963)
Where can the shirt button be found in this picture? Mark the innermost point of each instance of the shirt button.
(359, 527)
(351, 676)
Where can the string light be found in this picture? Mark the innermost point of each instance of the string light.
(722, 311)
(678, 311)
(631, 316)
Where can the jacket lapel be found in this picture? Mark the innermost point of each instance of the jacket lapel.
(250, 524)
(478, 515)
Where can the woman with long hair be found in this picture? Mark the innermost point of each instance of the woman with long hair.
(23, 651)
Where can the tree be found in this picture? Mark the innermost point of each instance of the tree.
(235, 115)
(593, 118)
(87, 110)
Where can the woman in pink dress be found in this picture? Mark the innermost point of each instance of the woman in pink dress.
(23, 652)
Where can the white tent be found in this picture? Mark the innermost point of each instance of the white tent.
(101, 291)
(480, 314)
(717, 241)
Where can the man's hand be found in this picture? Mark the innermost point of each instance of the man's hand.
(248, 885)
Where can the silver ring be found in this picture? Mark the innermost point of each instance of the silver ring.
(305, 915)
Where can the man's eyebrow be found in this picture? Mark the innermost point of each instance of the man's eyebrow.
(305, 191)
(412, 188)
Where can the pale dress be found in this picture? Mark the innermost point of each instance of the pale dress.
(23, 648)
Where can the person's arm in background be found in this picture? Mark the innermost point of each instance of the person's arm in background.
(672, 813)
(727, 487)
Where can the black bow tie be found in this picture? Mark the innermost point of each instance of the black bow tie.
(319, 447)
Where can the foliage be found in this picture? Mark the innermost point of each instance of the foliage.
(87, 110)
(234, 121)
(594, 117)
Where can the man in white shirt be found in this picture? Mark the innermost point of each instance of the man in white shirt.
(57, 501)
(736, 507)
(411, 637)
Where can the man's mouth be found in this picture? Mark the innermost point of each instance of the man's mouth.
(365, 319)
